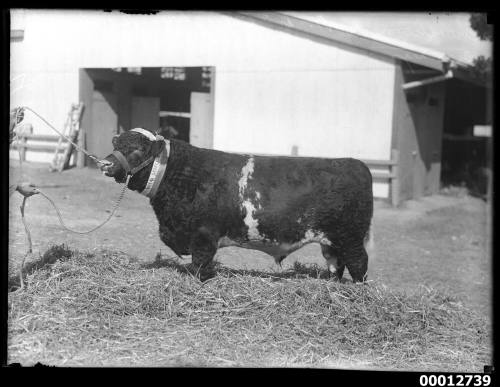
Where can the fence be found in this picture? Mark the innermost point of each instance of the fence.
(50, 144)
(392, 175)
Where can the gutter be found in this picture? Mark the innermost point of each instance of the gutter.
(428, 81)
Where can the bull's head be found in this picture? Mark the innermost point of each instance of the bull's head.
(133, 152)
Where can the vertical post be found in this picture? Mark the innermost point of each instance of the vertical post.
(24, 130)
(489, 158)
(80, 157)
(395, 179)
(295, 150)
(22, 147)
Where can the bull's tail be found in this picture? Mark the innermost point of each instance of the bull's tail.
(369, 243)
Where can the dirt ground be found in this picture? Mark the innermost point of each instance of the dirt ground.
(440, 241)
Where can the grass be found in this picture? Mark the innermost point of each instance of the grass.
(105, 308)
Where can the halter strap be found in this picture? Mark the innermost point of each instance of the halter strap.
(144, 132)
(123, 161)
(157, 172)
(159, 161)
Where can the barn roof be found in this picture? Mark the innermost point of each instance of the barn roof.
(361, 39)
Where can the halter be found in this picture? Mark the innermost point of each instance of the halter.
(159, 161)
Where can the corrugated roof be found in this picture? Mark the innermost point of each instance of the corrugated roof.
(358, 38)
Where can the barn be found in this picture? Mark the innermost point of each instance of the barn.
(248, 82)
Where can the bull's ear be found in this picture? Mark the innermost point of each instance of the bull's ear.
(114, 141)
(157, 147)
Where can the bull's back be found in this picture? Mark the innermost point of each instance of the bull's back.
(283, 181)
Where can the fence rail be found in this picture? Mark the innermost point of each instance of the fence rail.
(33, 146)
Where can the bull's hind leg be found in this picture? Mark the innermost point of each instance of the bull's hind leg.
(203, 249)
(333, 261)
(356, 260)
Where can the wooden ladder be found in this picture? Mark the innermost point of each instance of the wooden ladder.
(71, 130)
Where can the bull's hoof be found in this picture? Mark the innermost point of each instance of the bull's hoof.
(205, 275)
(335, 277)
(360, 280)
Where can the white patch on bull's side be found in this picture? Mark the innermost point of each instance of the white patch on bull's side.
(250, 221)
(257, 195)
(246, 173)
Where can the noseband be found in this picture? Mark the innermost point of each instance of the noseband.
(125, 165)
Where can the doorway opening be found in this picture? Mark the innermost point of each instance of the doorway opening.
(176, 102)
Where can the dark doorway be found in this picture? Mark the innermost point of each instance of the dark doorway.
(159, 99)
(466, 158)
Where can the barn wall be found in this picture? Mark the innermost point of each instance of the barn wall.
(418, 130)
(274, 90)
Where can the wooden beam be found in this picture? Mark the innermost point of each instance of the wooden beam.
(379, 163)
(38, 147)
(452, 137)
(175, 114)
(383, 176)
(41, 137)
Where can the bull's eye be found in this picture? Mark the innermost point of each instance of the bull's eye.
(136, 156)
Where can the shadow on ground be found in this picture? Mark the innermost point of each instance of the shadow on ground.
(298, 270)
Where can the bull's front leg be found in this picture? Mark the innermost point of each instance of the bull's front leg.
(203, 248)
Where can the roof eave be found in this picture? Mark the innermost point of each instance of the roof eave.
(424, 57)
(335, 35)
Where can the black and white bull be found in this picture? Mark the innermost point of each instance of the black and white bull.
(206, 199)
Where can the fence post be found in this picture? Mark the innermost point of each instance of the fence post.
(24, 130)
(80, 156)
(22, 148)
(395, 179)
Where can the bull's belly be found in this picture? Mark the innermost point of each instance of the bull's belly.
(276, 249)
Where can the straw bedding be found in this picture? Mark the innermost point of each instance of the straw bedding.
(106, 308)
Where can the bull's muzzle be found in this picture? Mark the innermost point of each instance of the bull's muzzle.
(107, 166)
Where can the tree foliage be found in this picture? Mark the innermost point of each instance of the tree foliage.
(482, 66)
(479, 23)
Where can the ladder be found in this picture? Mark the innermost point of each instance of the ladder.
(71, 130)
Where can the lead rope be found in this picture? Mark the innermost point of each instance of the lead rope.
(115, 207)
(28, 234)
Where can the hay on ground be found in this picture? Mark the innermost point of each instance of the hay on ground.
(105, 308)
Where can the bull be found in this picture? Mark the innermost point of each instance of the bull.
(207, 199)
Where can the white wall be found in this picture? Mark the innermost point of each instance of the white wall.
(273, 90)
